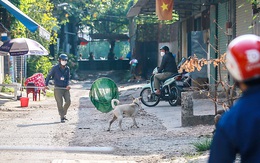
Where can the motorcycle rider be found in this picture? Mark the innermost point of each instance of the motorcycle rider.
(167, 68)
(238, 130)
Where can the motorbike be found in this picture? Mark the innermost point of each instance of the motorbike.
(170, 88)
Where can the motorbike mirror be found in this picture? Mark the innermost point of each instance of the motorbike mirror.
(181, 62)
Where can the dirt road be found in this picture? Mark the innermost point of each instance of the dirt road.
(38, 127)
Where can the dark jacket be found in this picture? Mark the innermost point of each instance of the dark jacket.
(238, 131)
(60, 76)
(168, 64)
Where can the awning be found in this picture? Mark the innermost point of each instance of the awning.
(82, 41)
(25, 19)
(184, 8)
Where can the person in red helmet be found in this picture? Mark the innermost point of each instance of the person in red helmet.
(238, 131)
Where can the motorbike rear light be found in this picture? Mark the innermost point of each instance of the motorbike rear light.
(178, 77)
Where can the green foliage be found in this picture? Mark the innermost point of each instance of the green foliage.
(203, 145)
(7, 80)
(38, 64)
(109, 17)
(67, 9)
(253, 2)
(40, 12)
(103, 16)
(97, 16)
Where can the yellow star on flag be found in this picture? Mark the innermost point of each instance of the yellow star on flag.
(164, 9)
(164, 6)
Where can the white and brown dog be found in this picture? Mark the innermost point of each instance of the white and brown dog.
(129, 110)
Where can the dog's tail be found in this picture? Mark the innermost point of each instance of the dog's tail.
(113, 101)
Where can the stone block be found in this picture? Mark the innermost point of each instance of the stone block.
(187, 116)
(197, 120)
(186, 104)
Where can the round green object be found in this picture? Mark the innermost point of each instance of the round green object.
(102, 91)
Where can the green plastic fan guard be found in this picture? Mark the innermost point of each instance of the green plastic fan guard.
(102, 91)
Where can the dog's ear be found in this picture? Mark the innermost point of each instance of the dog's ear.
(139, 98)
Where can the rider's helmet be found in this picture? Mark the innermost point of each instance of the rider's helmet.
(243, 57)
(63, 57)
(165, 48)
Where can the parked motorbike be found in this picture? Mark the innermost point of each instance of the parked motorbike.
(170, 88)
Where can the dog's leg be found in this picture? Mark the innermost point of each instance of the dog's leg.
(120, 118)
(134, 123)
(114, 118)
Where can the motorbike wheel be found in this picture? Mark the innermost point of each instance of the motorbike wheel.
(176, 93)
(148, 98)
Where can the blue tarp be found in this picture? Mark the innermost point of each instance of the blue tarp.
(18, 14)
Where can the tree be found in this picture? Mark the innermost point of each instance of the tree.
(105, 16)
(38, 64)
(108, 18)
(40, 12)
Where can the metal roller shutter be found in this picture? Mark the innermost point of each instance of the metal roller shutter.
(222, 36)
(243, 17)
(222, 19)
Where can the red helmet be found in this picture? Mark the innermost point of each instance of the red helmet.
(243, 57)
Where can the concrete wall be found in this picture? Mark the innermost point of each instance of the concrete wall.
(187, 115)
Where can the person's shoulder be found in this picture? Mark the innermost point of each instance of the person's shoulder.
(55, 66)
(170, 54)
(167, 55)
(228, 120)
(231, 116)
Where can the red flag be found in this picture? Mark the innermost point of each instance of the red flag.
(164, 9)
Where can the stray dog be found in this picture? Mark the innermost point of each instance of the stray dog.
(129, 110)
